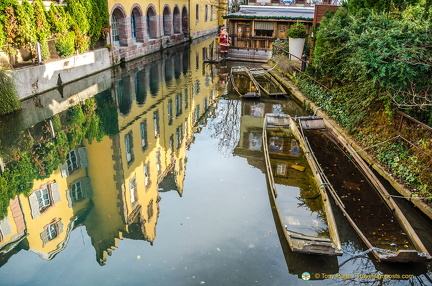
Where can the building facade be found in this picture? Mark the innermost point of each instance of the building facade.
(139, 28)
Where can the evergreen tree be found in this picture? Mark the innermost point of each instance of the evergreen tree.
(3, 17)
(26, 30)
(379, 5)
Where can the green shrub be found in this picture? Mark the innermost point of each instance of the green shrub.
(65, 45)
(297, 31)
(26, 30)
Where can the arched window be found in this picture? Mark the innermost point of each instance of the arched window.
(167, 21)
(115, 31)
(151, 23)
(176, 20)
(133, 26)
(185, 21)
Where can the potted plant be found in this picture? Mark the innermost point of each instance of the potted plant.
(297, 35)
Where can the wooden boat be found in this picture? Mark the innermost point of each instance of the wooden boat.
(365, 202)
(243, 83)
(297, 192)
(267, 83)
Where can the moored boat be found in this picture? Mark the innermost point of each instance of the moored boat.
(365, 202)
(296, 190)
(243, 83)
(267, 83)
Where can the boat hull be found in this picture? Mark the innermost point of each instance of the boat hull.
(304, 234)
(392, 224)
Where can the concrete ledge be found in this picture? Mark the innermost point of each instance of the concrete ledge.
(37, 79)
(426, 209)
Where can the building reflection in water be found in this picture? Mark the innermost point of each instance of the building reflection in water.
(103, 162)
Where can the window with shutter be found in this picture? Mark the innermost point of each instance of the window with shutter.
(72, 161)
(51, 231)
(43, 197)
(77, 192)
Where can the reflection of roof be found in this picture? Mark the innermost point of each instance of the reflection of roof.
(273, 12)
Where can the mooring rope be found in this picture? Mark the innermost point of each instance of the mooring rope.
(374, 145)
(403, 197)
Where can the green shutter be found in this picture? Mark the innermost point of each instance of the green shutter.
(44, 237)
(55, 192)
(82, 152)
(69, 198)
(86, 185)
(5, 227)
(64, 170)
(59, 227)
(34, 205)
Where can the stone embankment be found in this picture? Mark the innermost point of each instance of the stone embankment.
(426, 209)
(30, 81)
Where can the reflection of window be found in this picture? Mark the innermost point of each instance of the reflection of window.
(170, 112)
(186, 102)
(143, 130)
(72, 161)
(205, 13)
(197, 112)
(197, 12)
(156, 123)
(79, 190)
(257, 110)
(211, 12)
(158, 161)
(41, 199)
(75, 159)
(147, 174)
(171, 144)
(51, 231)
(178, 102)
(205, 103)
(255, 141)
(179, 136)
(129, 147)
(133, 190)
(150, 209)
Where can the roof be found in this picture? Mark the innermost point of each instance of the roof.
(273, 12)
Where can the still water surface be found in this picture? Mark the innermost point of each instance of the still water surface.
(171, 191)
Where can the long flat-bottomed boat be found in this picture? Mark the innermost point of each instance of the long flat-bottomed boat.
(363, 199)
(267, 83)
(243, 83)
(296, 190)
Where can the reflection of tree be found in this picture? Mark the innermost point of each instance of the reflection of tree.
(356, 263)
(226, 126)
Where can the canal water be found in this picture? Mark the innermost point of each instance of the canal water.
(152, 174)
